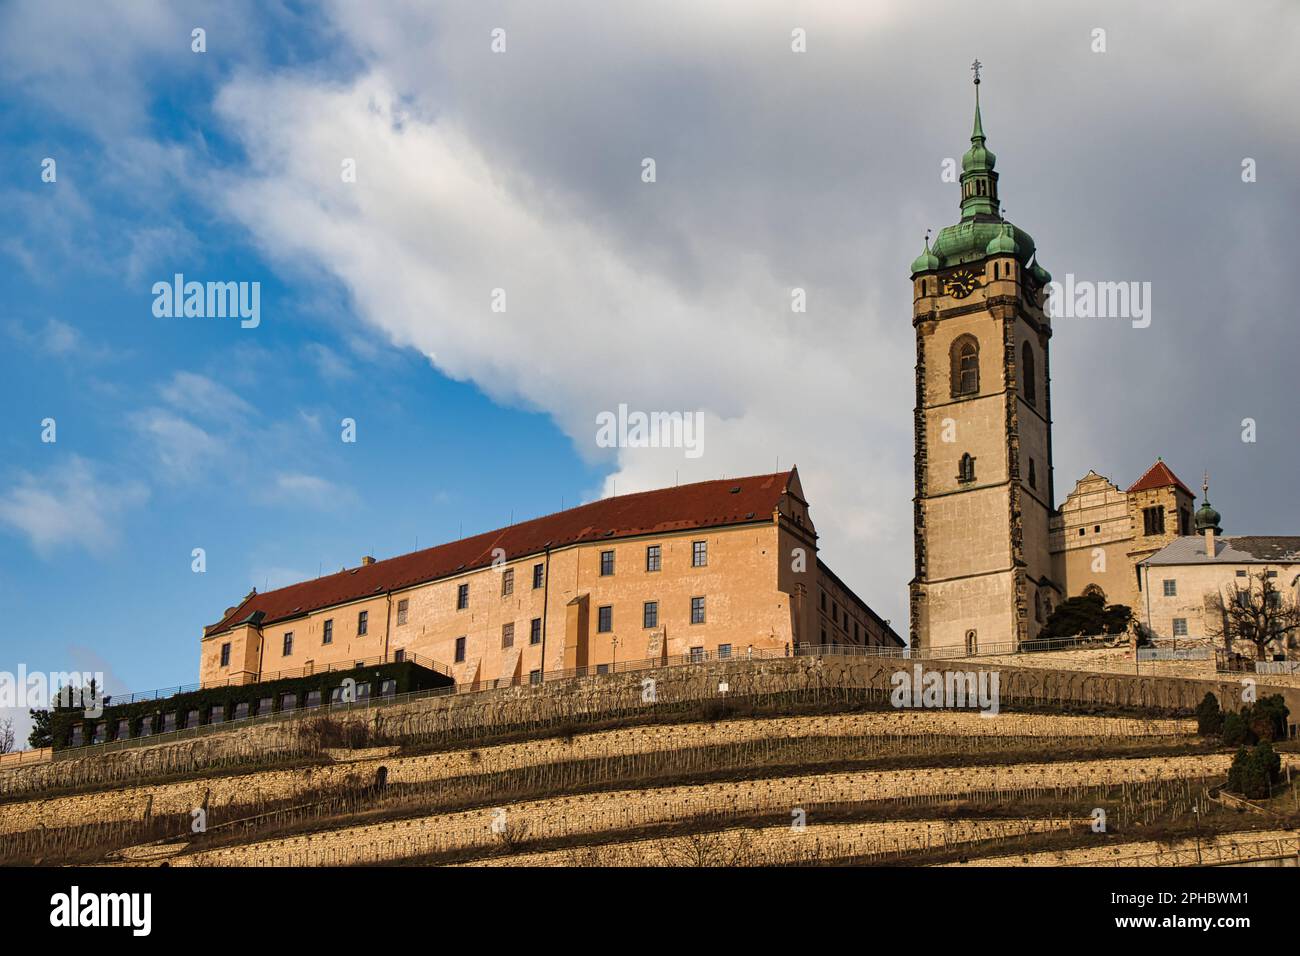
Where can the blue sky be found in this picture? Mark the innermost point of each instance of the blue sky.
(521, 170)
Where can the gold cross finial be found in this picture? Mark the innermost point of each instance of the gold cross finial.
(1205, 484)
(975, 68)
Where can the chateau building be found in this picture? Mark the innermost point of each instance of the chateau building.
(1101, 535)
(708, 570)
(983, 467)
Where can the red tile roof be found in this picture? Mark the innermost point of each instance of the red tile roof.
(706, 504)
(1158, 476)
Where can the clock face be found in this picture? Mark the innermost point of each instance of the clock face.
(961, 283)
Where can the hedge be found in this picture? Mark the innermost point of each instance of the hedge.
(408, 676)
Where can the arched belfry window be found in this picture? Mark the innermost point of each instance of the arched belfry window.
(1028, 373)
(972, 643)
(965, 359)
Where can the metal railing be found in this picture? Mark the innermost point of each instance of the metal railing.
(538, 679)
(1002, 649)
(22, 758)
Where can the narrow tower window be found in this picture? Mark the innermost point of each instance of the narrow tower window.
(1027, 370)
(966, 468)
(965, 366)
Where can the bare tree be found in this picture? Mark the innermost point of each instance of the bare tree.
(6, 735)
(1257, 613)
(707, 849)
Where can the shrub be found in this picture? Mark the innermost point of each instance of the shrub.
(1235, 731)
(1267, 719)
(1254, 771)
(1209, 717)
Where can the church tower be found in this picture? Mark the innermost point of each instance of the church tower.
(983, 426)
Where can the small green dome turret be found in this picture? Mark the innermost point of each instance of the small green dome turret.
(927, 261)
(1003, 244)
(1040, 275)
(1207, 519)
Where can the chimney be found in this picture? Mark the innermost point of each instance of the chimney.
(1209, 542)
(368, 559)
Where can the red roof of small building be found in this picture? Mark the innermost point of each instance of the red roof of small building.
(1158, 476)
(705, 504)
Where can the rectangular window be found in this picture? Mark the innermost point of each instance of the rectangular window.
(602, 668)
(535, 631)
(1241, 574)
(1275, 599)
(225, 654)
(169, 722)
(606, 563)
(699, 554)
(1180, 627)
(697, 654)
(313, 699)
(363, 623)
(402, 605)
(399, 655)
(1153, 520)
(652, 557)
(507, 582)
(288, 701)
(605, 619)
(265, 706)
(538, 571)
(1171, 588)
(724, 651)
(823, 600)
(1033, 475)
(192, 717)
(363, 691)
(650, 614)
(288, 644)
(327, 637)
(388, 687)
(697, 610)
(1270, 574)
(460, 650)
(462, 596)
(508, 635)
(124, 728)
(534, 677)
(217, 714)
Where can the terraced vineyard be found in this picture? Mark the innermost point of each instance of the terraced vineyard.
(826, 782)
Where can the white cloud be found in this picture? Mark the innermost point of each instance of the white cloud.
(421, 247)
(312, 491)
(182, 449)
(331, 366)
(199, 395)
(70, 505)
